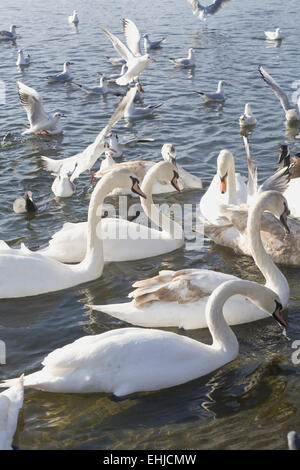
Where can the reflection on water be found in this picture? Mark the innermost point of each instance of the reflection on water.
(250, 403)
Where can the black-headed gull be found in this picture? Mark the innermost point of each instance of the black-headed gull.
(11, 34)
(274, 35)
(132, 54)
(133, 112)
(74, 18)
(22, 60)
(40, 122)
(117, 147)
(62, 186)
(217, 96)
(24, 204)
(247, 119)
(87, 158)
(101, 89)
(204, 12)
(148, 44)
(64, 76)
(11, 401)
(188, 61)
(292, 112)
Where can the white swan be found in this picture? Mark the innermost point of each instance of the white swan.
(24, 273)
(86, 159)
(140, 167)
(128, 360)
(179, 298)
(247, 119)
(226, 187)
(124, 240)
(11, 401)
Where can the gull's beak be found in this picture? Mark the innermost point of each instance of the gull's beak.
(277, 315)
(174, 181)
(136, 188)
(108, 136)
(223, 184)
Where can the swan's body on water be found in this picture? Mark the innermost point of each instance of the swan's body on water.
(25, 273)
(11, 401)
(127, 360)
(178, 298)
(124, 240)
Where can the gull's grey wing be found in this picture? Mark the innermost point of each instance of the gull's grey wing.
(276, 88)
(215, 6)
(133, 37)
(122, 50)
(32, 103)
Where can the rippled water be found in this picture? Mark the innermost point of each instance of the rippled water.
(252, 402)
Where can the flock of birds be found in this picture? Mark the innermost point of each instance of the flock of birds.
(250, 219)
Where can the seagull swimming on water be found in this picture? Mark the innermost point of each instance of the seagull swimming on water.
(247, 119)
(117, 147)
(217, 96)
(11, 34)
(21, 59)
(132, 54)
(274, 35)
(292, 112)
(40, 122)
(151, 44)
(204, 12)
(74, 18)
(64, 76)
(101, 89)
(186, 62)
(133, 112)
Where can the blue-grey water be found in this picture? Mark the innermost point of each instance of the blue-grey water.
(250, 403)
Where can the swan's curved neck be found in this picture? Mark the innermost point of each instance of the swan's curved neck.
(94, 259)
(232, 199)
(169, 226)
(222, 334)
(275, 280)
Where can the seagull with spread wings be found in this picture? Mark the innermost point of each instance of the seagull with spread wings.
(40, 122)
(204, 12)
(131, 53)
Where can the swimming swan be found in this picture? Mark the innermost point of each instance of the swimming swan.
(68, 245)
(179, 298)
(128, 360)
(24, 273)
(11, 400)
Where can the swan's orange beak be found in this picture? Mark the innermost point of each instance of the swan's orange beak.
(223, 184)
(174, 181)
(136, 188)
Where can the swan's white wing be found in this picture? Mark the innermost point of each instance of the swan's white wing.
(276, 88)
(215, 6)
(133, 37)
(123, 50)
(194, 5)
(32, 103)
